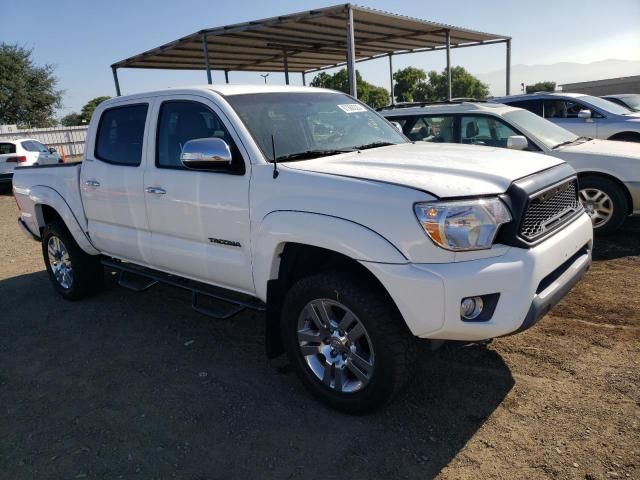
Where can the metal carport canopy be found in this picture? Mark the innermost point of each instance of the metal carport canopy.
(308, 42)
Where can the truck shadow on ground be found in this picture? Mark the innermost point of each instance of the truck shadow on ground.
(125, 383)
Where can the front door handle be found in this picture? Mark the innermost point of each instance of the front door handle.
(92, 183)
(156, 190)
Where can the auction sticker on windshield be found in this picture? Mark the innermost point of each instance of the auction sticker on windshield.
(352, 108)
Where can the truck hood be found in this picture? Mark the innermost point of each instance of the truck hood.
(444, 170)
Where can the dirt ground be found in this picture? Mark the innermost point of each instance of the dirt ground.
(136, 385)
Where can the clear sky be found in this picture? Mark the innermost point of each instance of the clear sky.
(82, 38)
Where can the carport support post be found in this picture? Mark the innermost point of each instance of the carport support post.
(226, 76)
(115, 79)
(448, 32)
(351, 55)
(304, 80)
(205, 48)
(508, 66)
(393, 97)
(286, 68)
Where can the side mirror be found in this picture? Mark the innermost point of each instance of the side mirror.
(584, 114)
(517, 142)
(398, 126)
(52, 150)
(205, 153)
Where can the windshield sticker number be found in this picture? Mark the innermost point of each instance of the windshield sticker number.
(352, 108)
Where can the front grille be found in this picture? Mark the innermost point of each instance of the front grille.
(549, 209)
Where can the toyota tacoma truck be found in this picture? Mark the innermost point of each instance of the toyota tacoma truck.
(308, 205)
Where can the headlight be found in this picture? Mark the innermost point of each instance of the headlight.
(463, 224)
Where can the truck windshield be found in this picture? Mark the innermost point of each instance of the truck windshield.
(311, 124)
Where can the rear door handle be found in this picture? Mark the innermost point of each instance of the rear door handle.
(92, 183)
(156, 190)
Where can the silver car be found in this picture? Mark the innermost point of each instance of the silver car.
(583, 115)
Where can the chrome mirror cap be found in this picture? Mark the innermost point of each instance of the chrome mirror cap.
(203, 153)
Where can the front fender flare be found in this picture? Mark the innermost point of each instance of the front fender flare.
(337, 234)
(41, 195)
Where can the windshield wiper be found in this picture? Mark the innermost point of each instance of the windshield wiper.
(373, 145)
(569, 142)
(309, 154)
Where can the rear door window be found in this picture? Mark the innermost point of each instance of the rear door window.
(428, 129)
(7, 148)
(534, 106)
(121, 134)
(33, 146)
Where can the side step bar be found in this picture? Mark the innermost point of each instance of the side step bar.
(229, 303)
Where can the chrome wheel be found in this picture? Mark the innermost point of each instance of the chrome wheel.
(335, 345)
(60, 262)
(598, 205)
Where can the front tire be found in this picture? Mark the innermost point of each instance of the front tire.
(347, 341)
(74, 273)
(604, 202)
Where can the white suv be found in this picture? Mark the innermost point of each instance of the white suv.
(24, 152)
(609, 172)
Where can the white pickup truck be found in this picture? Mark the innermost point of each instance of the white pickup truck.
(309, 205)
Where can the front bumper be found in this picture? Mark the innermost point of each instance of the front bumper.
(529, 282)
(634, 191)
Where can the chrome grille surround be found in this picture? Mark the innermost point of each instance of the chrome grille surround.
(549, 209)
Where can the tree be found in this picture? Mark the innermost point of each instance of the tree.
(28, 93)
(84, 117)
(415, 85)
(463, 84)
(71, 120)
(541, 87)
(90, 106)
(372, 95)
(406, 81)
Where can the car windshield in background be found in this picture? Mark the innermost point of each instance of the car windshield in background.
(632, 100)
(605, 105)
(548, 133)
(311, 124)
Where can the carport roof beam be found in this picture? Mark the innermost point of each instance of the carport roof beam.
(313, 40)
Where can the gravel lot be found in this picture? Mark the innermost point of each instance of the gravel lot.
(136, 385)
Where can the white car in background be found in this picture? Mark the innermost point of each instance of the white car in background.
(24, 152)
(608, 171)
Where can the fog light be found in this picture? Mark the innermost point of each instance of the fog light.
(471, 307)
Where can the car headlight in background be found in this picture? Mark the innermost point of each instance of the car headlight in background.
(463, 224)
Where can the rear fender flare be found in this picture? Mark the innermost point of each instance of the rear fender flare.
(40, 196)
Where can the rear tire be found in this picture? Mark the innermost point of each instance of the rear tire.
(604, 202)
(374, 350)
(74, 273)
